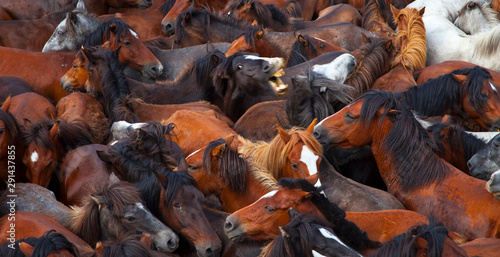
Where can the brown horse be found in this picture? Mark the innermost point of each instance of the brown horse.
(482, 247)
(293, 153)
(12, 86)
(219, 169)
(376, 119)
(30, 108)
(411, 54)
(76, 77)
(50, 244)
(373, 19)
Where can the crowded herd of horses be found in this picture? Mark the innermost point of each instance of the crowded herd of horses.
(249, 128)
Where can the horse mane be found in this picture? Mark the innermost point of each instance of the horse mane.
(315, 96)
(372, 58)
(127, 246)
(207, 17)
(85, 220)
(347, 231)
(273, 154)
(233, 168)
(222, 74)
(445, 93)
(11, 124)
(487, 42)
(374, 20)
(407, 140)
(70, 135)
(298, 240)
(413, 54)
(102, 33)
(299, 53)
(49, 242)
(405, 244)
(457, 138)
(293, 9)
(176, 179)
(268, 14)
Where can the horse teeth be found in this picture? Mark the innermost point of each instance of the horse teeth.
(279, 73)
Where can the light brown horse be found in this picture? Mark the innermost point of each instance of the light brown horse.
(412, 172)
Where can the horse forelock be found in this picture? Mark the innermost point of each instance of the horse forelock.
(475, 81)
(176, 179)
(102, 33)
(38, 133)
(222, 75)
(407, 140)
(128, 246)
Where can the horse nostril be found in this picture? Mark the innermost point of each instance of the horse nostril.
(209, 251)
(168, 26)
(469, 165)
(316, 134)
(171, 244)
(266, 68)
(228, 225)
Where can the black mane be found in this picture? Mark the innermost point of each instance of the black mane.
(11, 124)
(102, 33)
(49, 242)
(71, 135)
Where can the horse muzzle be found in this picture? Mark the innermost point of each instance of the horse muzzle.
(233, 228)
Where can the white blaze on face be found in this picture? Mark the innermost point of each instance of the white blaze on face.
(317, 38)
(269, 194)
(134, 33)
(114, 142)
(328, 234)
(316, 254)
(309, 158)
(138, 125)
(193, 153)
(34, 157)
(140, 206)
(274, 61)
(493, 87)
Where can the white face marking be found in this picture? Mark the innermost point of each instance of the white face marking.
(319, 39)
(328, 234)
(316, 254)
(140, 206)
(275, 61)
(309, 158)
(114, 142)
(269, 194)
(336, 70)
(34, 157)
(493, 87)
(138, 125)
(134, 33)
(193, 153)
(318, 184)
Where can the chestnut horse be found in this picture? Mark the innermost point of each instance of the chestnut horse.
(378, 119)
(219, 169)
(293, 153)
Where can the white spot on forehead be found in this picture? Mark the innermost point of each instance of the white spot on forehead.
(319, 39)
(34, 157)
(140, 206)
(329, 234)
(309, 158)
(193, 153)
(336, 69)
(134, 33)
(493, 87)
(316, 254)
(269, 194)
(253, 57)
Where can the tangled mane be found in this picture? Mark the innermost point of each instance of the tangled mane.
(103, 32)
(70, 29)
(85, 219)
(70, 135)
(405, 244)
(267, 14)
(407, 140)
(373, 19)
(49, 242)
(273, 154)
(373, 59)
(411, 42)
(127, 246)
(347, 231)
(315, 96)
(299, 53)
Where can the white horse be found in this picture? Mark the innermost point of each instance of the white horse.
(475, 17)
(447, 42)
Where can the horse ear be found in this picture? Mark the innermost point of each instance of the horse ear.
(422, 11)
(146, 239)
(460, 78)
(104, 156)
(259, 34)
(229, 139)
(210, 46)
(87, 53)
(80, 6)
(395, 11)
(283, 134)
(293, 213)
(161, 178)
(54, 130)
(283, 233)
(6, 105)
(254, 23)
(187, 18)
(113, 179)
(182, 164)
(217, 151)
(388, 45)
(311, 126)
(97, 199)
(302, 40)
(99, 249)
(26, 248)
(112, 27)
(72, 17)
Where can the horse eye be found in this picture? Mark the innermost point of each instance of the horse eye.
(295, 166)
(192, 167)
(1, 130)
(130, 218)
(127, 43)
(269, 209)
(322, 46)
(178, 206)
(229, 13)
(239, 67)
(60, 32)
(349, 117)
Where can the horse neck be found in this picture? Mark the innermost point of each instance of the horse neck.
(232, 201)
(281, 42)
(413, 52)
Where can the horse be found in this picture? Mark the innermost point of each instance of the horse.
(293, 153)
(374, 20)
(80, 106)
(423, 240)
(379, 115)
(30, 108)
(219, 169)
(481, 247)
(468, 95)
(47, 142)
(442, 33)
(75, 78)
(12, 86)
(200, 26)
(411, 53)
(485, 161)
(476, 17)
(304, 48)
(129, 245)
(50, 244)
(37, 224)
(35, 32)
(306, 236)
(456, 146)
(71, 32)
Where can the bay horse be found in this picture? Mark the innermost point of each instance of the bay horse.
(36, 224)
(219, 169)
(485, 161)
(411, 51)
(35, 32)
(423, 240)
(47, 142)
(306, 236)
(476, 17)
(378, 115)
(468, 95)
(293, 153)
(481, 246)
(50, 244)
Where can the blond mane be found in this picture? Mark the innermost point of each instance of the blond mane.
(413, 50)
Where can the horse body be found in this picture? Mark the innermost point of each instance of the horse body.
(12, 86)
(31, 106)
